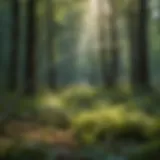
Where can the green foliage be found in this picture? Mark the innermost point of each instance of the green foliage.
(93, 116)
(78, 98)
(99, 125)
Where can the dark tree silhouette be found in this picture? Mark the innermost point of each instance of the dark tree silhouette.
(50, 43)
(102, 42)
(132, 28)
(114, 52)
(138, 24)
(13, 62)
(30, 73)
(142, 34)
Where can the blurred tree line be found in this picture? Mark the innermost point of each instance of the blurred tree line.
(39, 39)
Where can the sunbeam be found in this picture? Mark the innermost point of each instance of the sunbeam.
(88, 44)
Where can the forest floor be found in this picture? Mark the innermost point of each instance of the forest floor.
(83, 122)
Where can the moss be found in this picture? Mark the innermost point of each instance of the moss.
(99, 124)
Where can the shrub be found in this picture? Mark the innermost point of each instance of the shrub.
(99, 125)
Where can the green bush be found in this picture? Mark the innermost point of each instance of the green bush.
(78, 97)
(100, 124)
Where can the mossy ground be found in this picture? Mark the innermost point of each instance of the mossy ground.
(82, 117)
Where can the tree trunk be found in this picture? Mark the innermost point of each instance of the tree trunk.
(114, 52)
(50, 43)
(138, 25)
(143, 71)
(132, 28)
(103, 51)
(13, 65)
(30, 73)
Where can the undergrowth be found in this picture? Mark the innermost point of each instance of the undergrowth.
(95, 116)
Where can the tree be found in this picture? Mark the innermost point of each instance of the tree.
(138, 20)
(132, 28)
(102, 19)
(109, 57)
(114, 52)
(30, 73)
(50, 39)
(143, 73)
(13, 65)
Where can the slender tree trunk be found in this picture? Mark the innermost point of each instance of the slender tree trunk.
(103, 50)
(50, 43)
(114, 52)
(138, 24)
(30, 74)
(13, 65)
(132, 28)
(143, 71)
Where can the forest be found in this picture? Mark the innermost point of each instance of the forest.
(79, 79)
